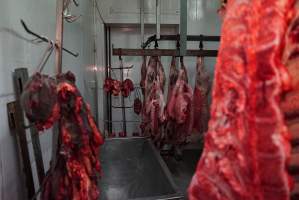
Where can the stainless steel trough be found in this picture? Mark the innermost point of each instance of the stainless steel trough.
(134, 170)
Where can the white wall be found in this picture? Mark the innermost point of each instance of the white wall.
(128, 11)
(202, 19)
(100, 68)
(40, 16)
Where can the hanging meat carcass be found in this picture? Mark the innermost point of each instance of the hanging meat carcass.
(108, 85)
(137, 106)
(179, 108)
(173, 77)
(148, 82)
(143, 75)
(154, 73)
(200, 98)
(247, 144)
(113, 86)
(154, 104)
(171, 124)
(127, 87)
(73, 174)
(161, 75)
(39, 101)
(222, 9)
(290, 102)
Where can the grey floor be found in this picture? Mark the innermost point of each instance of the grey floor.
(184, 169)
(127, 163)
(133, 169)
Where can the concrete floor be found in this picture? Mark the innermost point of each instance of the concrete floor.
(133, 169)
(184, 169)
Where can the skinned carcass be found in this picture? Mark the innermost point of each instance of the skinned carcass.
(247, 144)
(290, 102)
(39, 101)
(170, 128)
(179, 109)
(200, 98)
(73, 174)
(154, 105)
(113, 86)
(173, 77)
(151, 71)
(137, 106)
(127, 87)
(143, 75)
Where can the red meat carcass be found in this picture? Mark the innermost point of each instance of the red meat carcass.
(155, 108)
(122, 134)
(200, 98)
(171, 124)
(116, 87)
(179, 108)
(153, 114)
(127, 87)
(247, 144)
(289, 104)
(73, 173)
(161, 75)
(112, 86)
(112, 135)
(222, 9)
(108, 85)
(143, 75)
(137, 106)
(173, 77)
(39, 101)
(148, 84)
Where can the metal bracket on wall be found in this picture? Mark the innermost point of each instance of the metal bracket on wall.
(44, 39)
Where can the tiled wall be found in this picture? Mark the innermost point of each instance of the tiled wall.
(40, 15)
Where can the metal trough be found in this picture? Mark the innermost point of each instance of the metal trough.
(134, 170)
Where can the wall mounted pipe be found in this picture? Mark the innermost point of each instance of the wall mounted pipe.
(142, 22)
(58, 64)
(59, 35)
(183, 27)
(158, 18)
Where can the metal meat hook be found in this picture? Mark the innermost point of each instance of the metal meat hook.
(44, 39)
(201, 45)
(71, 18)
(66, 3)
(46, 56)
(66, 11)
(182, 59)
(17, 35)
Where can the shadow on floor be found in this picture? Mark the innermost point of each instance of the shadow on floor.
(184, 169)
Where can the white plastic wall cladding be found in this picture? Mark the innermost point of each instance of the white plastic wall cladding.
(118, 11)
(40, 16)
